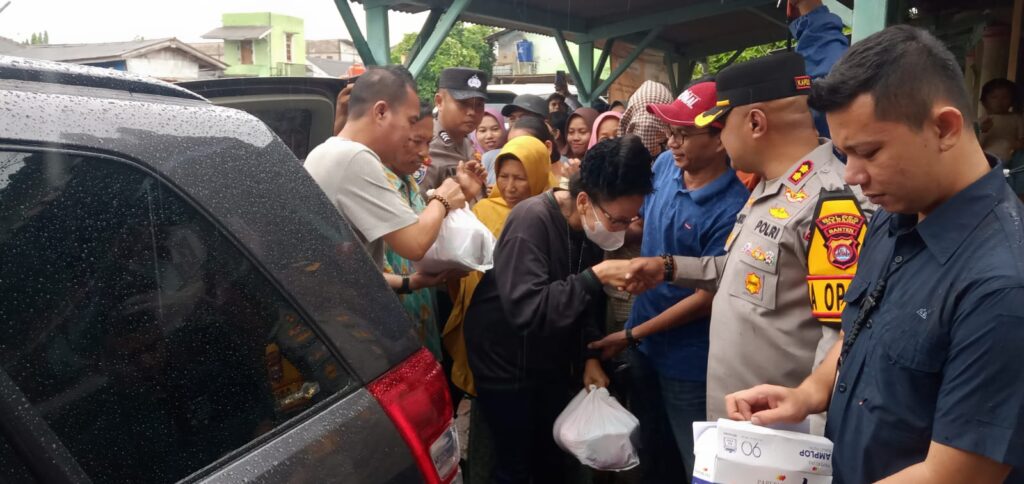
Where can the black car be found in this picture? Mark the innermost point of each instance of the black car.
(179, 301)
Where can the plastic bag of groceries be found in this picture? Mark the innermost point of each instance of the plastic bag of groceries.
(596, 429)
(464, 243)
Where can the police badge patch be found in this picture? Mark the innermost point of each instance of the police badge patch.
(474, 82)
(841, 232)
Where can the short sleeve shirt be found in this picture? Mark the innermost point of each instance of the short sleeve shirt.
(682, 222)
(940, 358)
(762, 328)
(353, 178)
(445, 155)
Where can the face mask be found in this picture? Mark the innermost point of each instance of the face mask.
(604, 238)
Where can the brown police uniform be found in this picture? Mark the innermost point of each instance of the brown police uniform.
(762, 329)
(445, 155)
(445, 152)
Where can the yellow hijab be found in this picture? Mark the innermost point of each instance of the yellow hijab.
(492, 212)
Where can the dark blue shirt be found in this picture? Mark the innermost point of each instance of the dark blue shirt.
(821, 42)
(695, 223)
(941, 357)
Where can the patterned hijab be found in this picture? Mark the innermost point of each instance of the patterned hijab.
(636, 120)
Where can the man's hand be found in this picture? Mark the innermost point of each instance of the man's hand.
(612, 272)
(644, 273)
(341, 108)
(472, 177)
(803, 7)
(419, 280)
(593, 374)
(768, 404)
(611, 345)
(452, 192)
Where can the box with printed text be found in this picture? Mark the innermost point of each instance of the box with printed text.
(730, 452)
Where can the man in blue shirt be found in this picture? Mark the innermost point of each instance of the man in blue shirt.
(694, 205)
(926, 385)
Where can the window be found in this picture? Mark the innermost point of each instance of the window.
(288, 47)
(147, 341)
(246, 48)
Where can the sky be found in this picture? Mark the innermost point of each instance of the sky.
(88, 21)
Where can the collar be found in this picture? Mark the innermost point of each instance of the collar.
(711, 190)
(945, 229)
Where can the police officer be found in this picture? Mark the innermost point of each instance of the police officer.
(929, 385)
(460, 101)
(762, 326)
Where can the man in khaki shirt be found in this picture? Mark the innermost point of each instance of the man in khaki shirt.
(762, 329)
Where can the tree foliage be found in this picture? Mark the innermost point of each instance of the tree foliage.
(465, 46)
(718, 62)
(38, 38)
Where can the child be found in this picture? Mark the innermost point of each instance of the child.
(1002, 128)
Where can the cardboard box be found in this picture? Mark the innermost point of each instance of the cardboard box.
(729, 452)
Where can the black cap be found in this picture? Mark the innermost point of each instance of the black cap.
(527, 102)
(463, 83)
(776, 76)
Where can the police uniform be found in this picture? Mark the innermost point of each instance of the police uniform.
(445, 151)
(762, 326)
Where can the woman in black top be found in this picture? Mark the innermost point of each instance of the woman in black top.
(533, 315)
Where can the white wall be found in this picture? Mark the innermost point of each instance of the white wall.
(168, 64)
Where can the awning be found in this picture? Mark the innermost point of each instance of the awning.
(238, 33)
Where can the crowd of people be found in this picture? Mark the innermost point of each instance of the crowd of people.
(662, 247)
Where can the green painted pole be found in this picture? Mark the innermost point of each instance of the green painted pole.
(581, 85)
(868, 17)
(353, 31)
(627, 62)
(587, 74)
(440, 31)
(428, 27)
(601, 61)
(377, 35)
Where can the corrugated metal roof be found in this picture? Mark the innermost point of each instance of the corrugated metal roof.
(238, 33)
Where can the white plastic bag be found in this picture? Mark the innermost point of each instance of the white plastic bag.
(464, 243)
(596, 429)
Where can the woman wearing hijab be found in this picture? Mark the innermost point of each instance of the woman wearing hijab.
(523, 168)
(636, 120)
(533, 314)
(578, 129)
(606, 126)
(488, 138)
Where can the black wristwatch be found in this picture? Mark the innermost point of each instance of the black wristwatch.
(630, 340)
(405, 289)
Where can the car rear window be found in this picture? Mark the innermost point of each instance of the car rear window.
(140, 333)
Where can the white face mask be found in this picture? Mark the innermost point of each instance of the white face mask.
(604, 238)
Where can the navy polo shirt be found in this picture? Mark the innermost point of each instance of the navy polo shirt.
(694, 223)
(941, 357)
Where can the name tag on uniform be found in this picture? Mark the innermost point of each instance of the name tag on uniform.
(768, 230)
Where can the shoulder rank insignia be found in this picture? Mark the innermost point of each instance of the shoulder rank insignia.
(445, 138)
(801, 171)
(836, 237)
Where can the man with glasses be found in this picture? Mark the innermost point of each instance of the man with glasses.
(763, 324)
(691, 211)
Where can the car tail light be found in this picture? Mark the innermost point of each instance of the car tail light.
(415, 396)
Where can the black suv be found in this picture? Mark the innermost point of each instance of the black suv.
(180, 302)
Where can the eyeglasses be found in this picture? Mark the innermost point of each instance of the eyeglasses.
(616, 222)
(681, 135)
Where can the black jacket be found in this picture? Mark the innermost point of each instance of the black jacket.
(533, 314)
